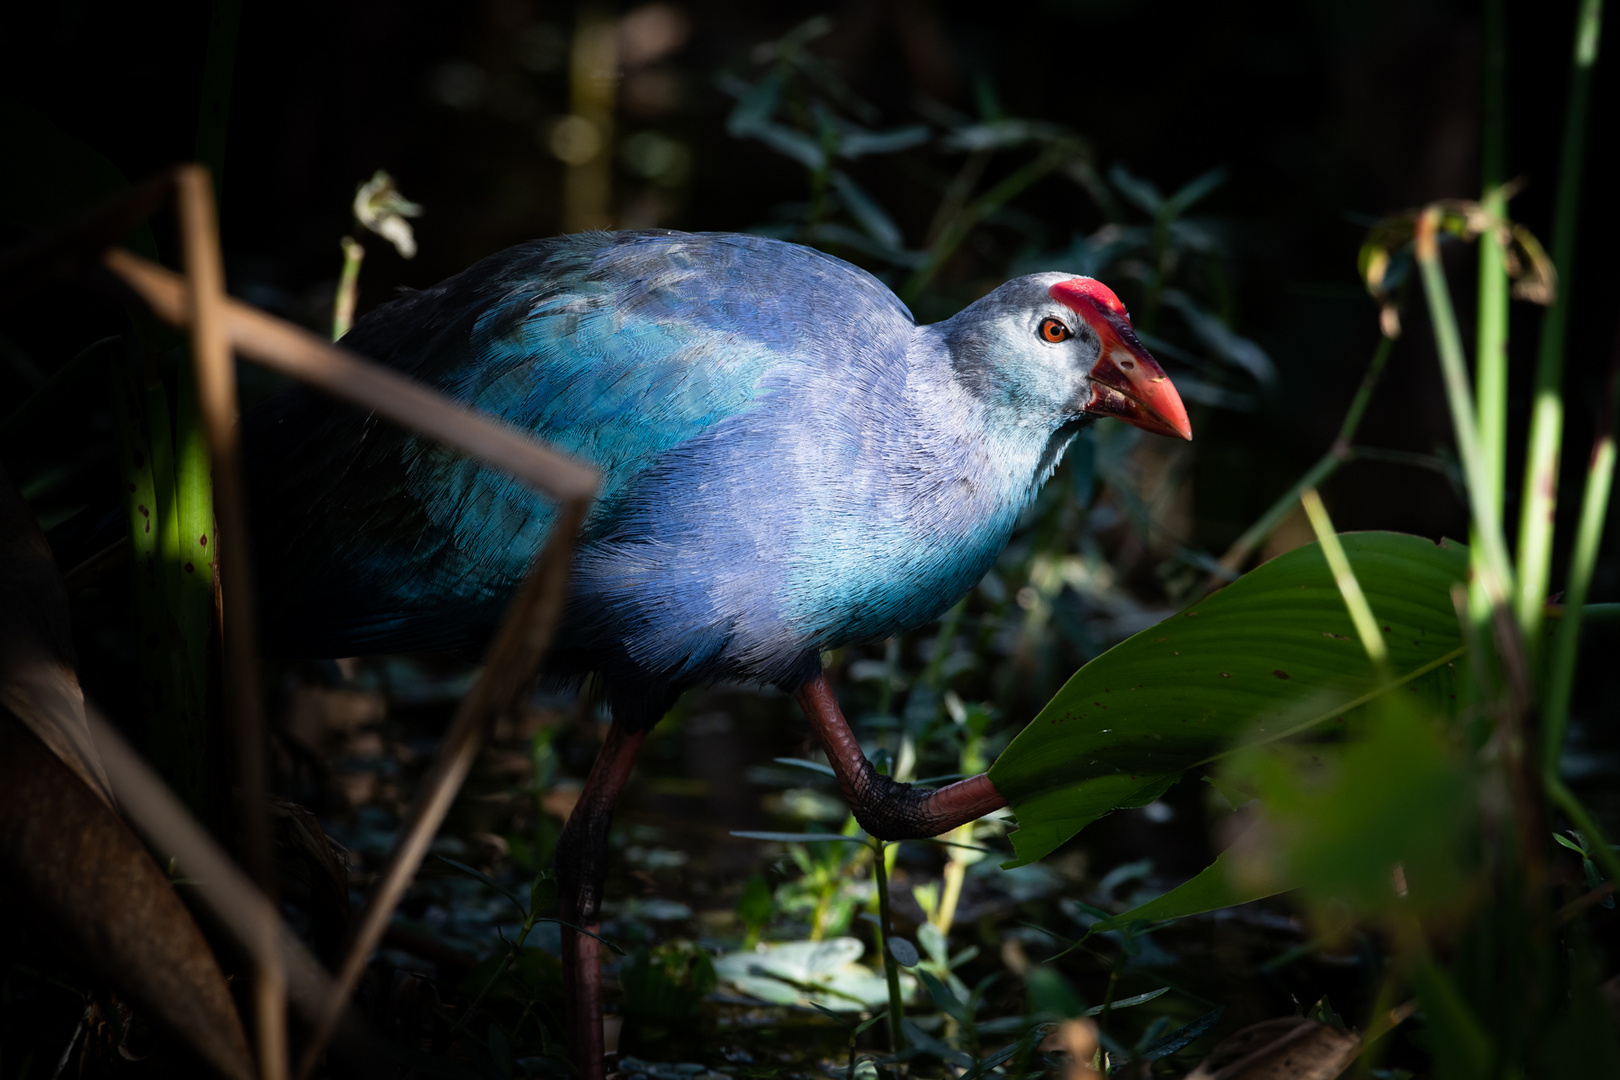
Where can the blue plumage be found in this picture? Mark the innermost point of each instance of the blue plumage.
(789, 462)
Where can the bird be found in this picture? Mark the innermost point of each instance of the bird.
(790, 463)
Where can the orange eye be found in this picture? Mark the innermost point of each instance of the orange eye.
(1054, 331)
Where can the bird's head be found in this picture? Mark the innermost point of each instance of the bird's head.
(1062, 346)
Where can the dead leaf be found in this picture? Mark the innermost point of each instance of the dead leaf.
(39, 683)
(78, 871)
(313, 871)
(68, 860)
(1287, 1048)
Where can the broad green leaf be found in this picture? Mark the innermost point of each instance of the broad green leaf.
(800, 837)
(1270, 655)
(1212, 889)
(822, 972)
(1336, 819)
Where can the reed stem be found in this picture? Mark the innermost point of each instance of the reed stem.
(891, 966)
(1493, 566)
(348, 290)
(1560, 679)
(1540, 493)
(1490, 360)
(1328, 464)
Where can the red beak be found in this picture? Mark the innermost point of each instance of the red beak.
(1126, 381)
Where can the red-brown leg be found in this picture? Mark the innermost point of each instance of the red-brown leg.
(581, 867)
(886, 808)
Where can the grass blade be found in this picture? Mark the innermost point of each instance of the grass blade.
(1361, 615)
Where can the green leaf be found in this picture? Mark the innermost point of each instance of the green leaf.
(1270, 655)
(1194, 191)
(807, 766)
(1460, 1044)
(1144, 193)
(1210, 890)
(860, 1029)
(479, 875)
(946, 1000)
(1125, 1003)
(1166, 1045)
(859, 143)
(800, 837)
(866, 210)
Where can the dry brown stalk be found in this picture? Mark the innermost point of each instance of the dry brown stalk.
(218, 324)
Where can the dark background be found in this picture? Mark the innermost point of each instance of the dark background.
(1325, 114)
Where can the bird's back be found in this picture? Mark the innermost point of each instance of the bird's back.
(699, 372)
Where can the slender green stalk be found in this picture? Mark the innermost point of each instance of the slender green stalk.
(1338, 454)
(1490, 343)
(166, 510)
(969, 217)
(135, 463)
(1494, 569)
(193, 599)
(1540, 493)
(1364, 392)
(214, 108)
(1596, 842)
(1490, 360)
(891, 967)
(1588, 537)
(348, 290)
(1361, 615)
(176, 728)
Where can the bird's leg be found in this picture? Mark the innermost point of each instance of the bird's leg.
(581, 866)
(886, 808)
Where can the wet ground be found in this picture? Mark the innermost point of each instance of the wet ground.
(687, 900)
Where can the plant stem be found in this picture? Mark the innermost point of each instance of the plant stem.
(891, 967)
(1588, 537)
(512, 954)
(1493, 566)
(1490, 358)
(1540, 493)
(193, 602)
(348, 290)
(1338, 454)
(1490, 343)
(1596, 842)
(964, 221)
(214, 108)
(1372, 639)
